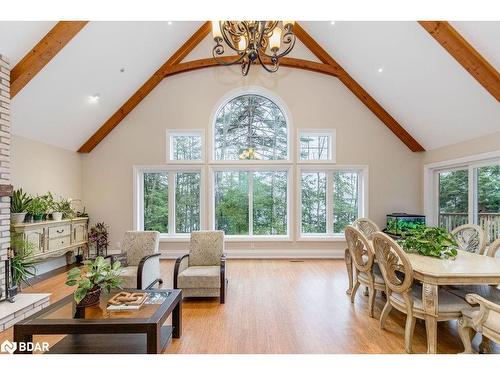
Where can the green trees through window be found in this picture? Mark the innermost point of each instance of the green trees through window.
(187, 202)
(156, 202)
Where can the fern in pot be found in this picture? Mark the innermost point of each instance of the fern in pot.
(21, 262)
(19, 205)
(429, 241)
(92, 278)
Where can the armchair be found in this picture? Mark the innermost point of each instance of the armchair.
(140, 250)
(202, 272)
(485, 320)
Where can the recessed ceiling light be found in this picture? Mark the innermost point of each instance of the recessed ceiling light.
(169, 23)
(380, 70)
(94, 98)
(332, 23)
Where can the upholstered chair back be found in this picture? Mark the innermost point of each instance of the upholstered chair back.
(470, 237)
(394, 264)
(206, 248)
(366, 226)
(494, 249)
(359, 248)
(138, 244)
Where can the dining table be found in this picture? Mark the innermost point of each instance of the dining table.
(465, 269)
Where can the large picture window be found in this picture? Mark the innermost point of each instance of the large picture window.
(465, 192)
(250, 126)
(251, 203)
(330, 199)
(169, 201)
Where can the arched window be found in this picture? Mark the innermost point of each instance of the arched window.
(250, 126)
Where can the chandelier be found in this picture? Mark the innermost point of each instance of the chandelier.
(262, 41)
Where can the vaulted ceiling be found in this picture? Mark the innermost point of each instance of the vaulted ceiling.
(398, 63)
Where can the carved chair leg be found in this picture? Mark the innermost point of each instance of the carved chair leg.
(465, 331)
(348, 264)
(371, 300)
(354, 290)
(409, 329)
(385, 313)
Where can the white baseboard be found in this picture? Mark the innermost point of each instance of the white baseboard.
(268, 254)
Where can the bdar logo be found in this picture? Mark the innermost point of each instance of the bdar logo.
(8, 347)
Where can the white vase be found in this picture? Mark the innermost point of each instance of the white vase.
(57, 216)
(17, 217)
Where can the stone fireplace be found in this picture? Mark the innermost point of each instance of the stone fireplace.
(25, 304)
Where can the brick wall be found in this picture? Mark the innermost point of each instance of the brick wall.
(4, 160)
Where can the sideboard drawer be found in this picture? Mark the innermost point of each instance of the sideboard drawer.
(59, 231)
(59, 243)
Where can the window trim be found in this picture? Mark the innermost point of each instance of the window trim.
(138, 191)
(332, 144)
(363, 192)
(251, 168)
(183, 132)
(249, 90)
(431, 182)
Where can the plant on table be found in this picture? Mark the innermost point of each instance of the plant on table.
(21, 261)
(94, 276)
(98, 237)
(38, 207)
(429, 241)
(63, 206)
(19, 205)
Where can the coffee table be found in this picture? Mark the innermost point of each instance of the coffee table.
(96, 330)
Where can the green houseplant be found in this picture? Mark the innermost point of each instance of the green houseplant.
(63, 206)
(21, 261)
(38, 207)
(19, 205)
(90, 279)
(429, 241)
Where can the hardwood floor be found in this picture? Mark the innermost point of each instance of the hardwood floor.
(283, 306)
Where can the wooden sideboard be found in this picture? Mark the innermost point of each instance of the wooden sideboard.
(53, 238)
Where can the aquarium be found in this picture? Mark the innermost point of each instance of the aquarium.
(397, 223)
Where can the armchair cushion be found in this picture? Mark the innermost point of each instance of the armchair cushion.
(199, 277)
(138, 244)
(206, 248)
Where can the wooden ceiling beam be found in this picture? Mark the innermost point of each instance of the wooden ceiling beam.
(42, 53)
(284, 61)
(145, 89)
(357, 90)
(465, 54)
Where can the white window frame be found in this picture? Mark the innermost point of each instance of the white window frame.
(255, 90)
(251, 168)
(363, 192)
(170, 133)
(332, 144)
(431, 183)
(138, 204)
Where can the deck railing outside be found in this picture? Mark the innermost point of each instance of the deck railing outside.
(490, 222)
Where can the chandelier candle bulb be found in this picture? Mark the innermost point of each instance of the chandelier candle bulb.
(275, 40)
(242, 44)
(216, 31)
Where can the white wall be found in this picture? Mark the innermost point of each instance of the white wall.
(187, 101)
(38, 168)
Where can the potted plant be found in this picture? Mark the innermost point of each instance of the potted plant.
(98, 237)
(429, 241)
(38, 207)
(22, 264)
(64, 206)
(19, 206)
(92, 278)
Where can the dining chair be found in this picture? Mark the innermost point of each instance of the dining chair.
(404, 295)
(485, 320)
(366, 272)
(493, 249)
(470, 237)
(368, 228)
